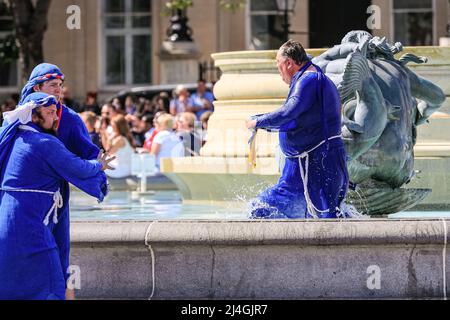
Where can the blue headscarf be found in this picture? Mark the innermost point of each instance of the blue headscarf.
(40, 74)
(21, 115)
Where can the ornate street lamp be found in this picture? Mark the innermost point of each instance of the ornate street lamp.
(286, 6)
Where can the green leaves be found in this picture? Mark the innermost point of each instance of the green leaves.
(176, 5)
(233, 5)
(8, 50)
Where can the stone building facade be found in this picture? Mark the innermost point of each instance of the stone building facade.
(119, 42)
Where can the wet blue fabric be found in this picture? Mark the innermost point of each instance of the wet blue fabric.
(310, 115)
(33, 256)
(73, 134)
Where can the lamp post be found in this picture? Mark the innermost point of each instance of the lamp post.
(286, 6)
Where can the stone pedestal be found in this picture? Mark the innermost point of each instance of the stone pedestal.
(179, 62)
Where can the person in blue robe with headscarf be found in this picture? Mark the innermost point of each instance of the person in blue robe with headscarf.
(48, 78)
(314, 180)
(71, 131)
(33, 166)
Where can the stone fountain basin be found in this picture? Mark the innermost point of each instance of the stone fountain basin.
(262, 259)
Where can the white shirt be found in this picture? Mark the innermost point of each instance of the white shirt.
(122, 162)
(171, 146)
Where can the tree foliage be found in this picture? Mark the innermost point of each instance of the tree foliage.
(30, 24)
(231, 5)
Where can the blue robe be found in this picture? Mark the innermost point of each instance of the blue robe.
(73, 134)
(310, 116)
(31, 263)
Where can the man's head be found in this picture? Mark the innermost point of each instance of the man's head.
(201, 86)
(51, 87)
(46, 78)
(290, 58)
(46, 118)
(38, 108)
(181, 90)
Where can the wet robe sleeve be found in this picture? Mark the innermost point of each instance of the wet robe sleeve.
(285, 118)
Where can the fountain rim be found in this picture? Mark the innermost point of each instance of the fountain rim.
(343, 232)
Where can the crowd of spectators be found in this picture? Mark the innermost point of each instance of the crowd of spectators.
(165, 126)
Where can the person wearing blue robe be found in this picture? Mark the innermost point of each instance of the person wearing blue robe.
(71, 131)
(314, 180)
(34, 164)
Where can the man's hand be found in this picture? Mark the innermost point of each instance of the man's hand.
(105, 159)
(251, 124)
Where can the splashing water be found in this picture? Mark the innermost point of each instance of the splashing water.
(245, 193)
(256, 204)
(348, 211)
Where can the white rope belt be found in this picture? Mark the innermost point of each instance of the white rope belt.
(57, 202)
(304, 174)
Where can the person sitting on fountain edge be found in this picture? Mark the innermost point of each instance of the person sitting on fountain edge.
(314, 180)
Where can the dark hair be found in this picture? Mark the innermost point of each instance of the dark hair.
(8, 105)
(91, 94)
(165, 103)
(294, 50)
(148, 119)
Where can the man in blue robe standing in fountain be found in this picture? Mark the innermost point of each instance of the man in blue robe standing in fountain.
(71, 131)
(34, 164)
(314, 180)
